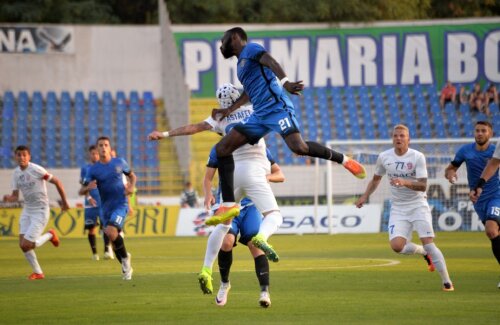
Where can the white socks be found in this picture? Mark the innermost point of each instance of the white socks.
(31, 257)
(270, 224)
(43, 239)
(214, 244)
(438, 260)
(411, 248)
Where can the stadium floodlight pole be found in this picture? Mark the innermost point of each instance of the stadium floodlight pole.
(329, 193)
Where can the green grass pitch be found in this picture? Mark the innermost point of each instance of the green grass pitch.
(321, 279)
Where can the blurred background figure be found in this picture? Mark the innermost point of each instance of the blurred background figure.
(189, 196)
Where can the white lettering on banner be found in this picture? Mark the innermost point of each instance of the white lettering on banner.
(491, 55)
(416, 61)
(328, 64)
(25, 42)
(8, 41)
(361, 61)
(450, 221)
(390, 59)
(293, 55)
(462, 61)
(476, 224)
(197, 59)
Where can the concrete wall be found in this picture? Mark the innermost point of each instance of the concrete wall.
(105, 58)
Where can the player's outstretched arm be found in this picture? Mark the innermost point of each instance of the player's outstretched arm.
(370, 188)
(276, 175)
(419, 185)
(130, 187)
(60, 188)
(189, 129)
(207, 187)
(450, 173)
(221, 113)
(14, 197)
(293, 88)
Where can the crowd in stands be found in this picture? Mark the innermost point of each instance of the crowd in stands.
(477, 99)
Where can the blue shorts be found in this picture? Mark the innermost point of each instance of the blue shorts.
(115, 217)
(91, 215)
(247, 224)
(488, 210)
(282, 122)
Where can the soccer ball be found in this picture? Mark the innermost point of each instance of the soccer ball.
(226, 95)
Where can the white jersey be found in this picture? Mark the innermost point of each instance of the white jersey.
(496, 154)
(31, 182)
(409, 166)
(247, 151)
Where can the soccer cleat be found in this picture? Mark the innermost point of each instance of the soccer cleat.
(498, 285)
(95, 257)
(259, 242)
(221, 297)
(354, 167)
(54, 240)
(205, 280)
(127, 269)
(223, 214)
(448, 287)
(430, 265)
(108, 255)
(36, 276)
(265, 299)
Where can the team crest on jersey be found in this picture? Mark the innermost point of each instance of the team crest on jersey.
(409, 165)
(242, 63)
(118, 169)
(21, 178)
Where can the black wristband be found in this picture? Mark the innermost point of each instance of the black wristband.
(480, 183)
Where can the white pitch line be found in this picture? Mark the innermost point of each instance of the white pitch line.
(388, 262)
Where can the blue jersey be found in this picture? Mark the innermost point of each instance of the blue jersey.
(260, 83)
(475, 161)
(94, 193)
(109, 182)
(213, 163)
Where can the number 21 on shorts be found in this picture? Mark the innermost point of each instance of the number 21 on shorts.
(284, 123)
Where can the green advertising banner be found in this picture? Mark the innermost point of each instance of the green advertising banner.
(381, 54)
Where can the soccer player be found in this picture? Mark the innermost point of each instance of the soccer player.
(490, 169)
(251, 175)
(484, 194)
(246, 224)
(264, 82)
(93, 210)
(106, 176)
(30, 178)
(407, 171)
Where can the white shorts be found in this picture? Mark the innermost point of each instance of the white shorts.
(250, 181)
(32, 223)
(403, 221)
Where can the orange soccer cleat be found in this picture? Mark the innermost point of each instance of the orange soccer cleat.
(355, 168)
(448, 287)
(36, 276)
(430, 265)
(54, 240)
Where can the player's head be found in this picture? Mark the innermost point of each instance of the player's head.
(93, 154)
(226, 95)
(483, 131)
(228, 47)
(23, 156)
(104, 147)
(401, 137)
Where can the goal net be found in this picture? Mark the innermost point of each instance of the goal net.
(450, 204)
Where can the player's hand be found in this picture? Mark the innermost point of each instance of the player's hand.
(92, 201)
(64, 205)
(155, 135)
(398, 182)
(294, 88)
(209, 201)
(129, 189)
(92, 185)
(360, 201)
(451, 177)
(219, 114)
(474, 194)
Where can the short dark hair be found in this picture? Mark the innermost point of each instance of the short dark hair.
(102, 138)
(22, 148)
(239, 31)
(92, 147)
(488, 124)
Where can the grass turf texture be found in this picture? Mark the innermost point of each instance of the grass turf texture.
(320, 279)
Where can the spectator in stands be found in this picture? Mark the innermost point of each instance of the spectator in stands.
(448, 94)
(491, 95)
(477, 100)
(189, 196)
(464, 95)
